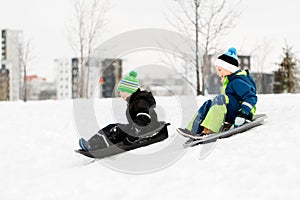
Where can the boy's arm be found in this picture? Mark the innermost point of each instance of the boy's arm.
(142, 113)
(141, 118)
(248, 95)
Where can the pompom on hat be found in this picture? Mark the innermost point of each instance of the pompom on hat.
(129, 83)
(228, 60)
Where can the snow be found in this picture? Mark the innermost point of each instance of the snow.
(38, 161)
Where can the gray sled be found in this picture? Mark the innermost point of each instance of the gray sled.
(258, 120)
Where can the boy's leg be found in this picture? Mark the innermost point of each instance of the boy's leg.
(216, 114)
(99, 140)
(194, 125)
(107, 130)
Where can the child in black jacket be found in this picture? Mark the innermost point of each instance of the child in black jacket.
(140, 114)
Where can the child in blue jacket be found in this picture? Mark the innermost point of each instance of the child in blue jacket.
(236, 103)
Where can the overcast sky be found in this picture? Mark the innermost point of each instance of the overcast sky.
(44, 21)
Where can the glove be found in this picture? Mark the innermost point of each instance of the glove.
(129, 140)
(240, 119)
(132, 135)
(116, 134)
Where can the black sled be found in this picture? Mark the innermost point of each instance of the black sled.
(155, 136)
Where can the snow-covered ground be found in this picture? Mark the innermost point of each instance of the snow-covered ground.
(37, 160)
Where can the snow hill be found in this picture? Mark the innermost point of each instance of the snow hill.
(37, 160)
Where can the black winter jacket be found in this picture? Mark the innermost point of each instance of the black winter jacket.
(141, 116)
(140, 110)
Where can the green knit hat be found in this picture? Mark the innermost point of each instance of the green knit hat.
(129, 83)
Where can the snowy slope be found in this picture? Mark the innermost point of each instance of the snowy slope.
(37, 159)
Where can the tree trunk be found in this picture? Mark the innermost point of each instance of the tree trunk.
(25, 84)
(87, 79)
(259, 83)
(197, 48)
(204, 68)
(82, 78)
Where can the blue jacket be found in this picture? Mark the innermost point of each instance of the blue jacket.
(240, 89)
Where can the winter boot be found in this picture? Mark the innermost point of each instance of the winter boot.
(84, 145)
(187, 133)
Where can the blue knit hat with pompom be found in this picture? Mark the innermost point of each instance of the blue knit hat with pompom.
(228, 60)
(129, 83)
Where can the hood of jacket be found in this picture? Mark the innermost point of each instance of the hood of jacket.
(142, 95)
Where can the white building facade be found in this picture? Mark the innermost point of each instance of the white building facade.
(11, 59)
(64, 78)
(69, 74)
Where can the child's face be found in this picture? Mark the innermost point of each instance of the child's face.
(222, 73)
(124, 95)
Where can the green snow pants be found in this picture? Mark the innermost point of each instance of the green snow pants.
(210, 115)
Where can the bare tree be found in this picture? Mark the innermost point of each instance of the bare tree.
(26, 58)
(85, 31)
(206, 21)
(260, 53)
(25, 52)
